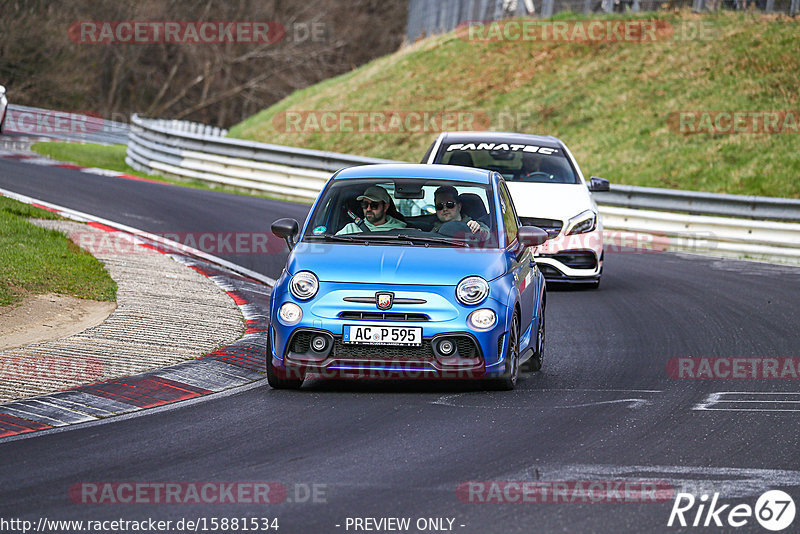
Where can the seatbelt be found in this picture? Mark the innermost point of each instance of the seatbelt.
(359, 221)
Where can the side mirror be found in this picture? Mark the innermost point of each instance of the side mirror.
(286, 229)
(531, 236)
(599, 184)
(2, 90)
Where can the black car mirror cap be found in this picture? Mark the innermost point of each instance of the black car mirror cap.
(531, 236)
(287, 229)
(599, 184)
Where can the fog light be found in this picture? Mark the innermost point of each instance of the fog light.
(482, 319)
(290, 313)
(446, 347)
(319, 343)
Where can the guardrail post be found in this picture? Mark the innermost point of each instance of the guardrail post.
(770, 7)
(795, 7)
(698, 6)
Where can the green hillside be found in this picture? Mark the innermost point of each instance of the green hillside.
(616, 103)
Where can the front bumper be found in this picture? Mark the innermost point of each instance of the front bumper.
(574, 259)
(477, 354)
(573, 266)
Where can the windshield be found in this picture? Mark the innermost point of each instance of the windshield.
(516, 162)
(415, 212)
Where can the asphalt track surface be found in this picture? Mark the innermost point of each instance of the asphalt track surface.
(603, 409)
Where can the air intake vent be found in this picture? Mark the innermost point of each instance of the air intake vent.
(383, 316)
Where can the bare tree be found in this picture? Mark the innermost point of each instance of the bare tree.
(216, 83)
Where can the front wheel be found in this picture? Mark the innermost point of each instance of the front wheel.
(508, 381)
(277, 378)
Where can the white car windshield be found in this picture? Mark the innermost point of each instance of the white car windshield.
(515, 162)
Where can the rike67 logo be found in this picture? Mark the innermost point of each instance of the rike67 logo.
(774, 510)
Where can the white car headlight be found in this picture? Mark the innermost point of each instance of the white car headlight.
(290, 313)
(582, 223)
(304, 285)
(482, 319)
(472, 290)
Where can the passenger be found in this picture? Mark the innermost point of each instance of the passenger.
(448, 208)
(375, 202)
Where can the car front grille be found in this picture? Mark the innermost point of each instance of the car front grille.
(300, 343)
(550, 272)
(383, 316)
(551, 226)
(466, 346)
(382, 352)
(576, 260)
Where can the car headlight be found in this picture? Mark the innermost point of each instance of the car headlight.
(290, 313)
(304, 285)
(482, 319)
(472, 290)
(582, 223)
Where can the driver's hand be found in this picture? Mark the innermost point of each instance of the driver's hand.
(474, 226)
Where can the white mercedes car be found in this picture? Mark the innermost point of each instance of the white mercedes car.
(549, 191)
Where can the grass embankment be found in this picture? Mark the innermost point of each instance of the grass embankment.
(611, 102)
(111, 157)
(36, 261)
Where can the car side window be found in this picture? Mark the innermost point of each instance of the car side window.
(509, 216)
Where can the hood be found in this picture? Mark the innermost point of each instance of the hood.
(550, 201)
(335, 262)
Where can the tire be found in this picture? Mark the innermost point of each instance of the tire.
(508, 381)
(276, 378)
(535, 361)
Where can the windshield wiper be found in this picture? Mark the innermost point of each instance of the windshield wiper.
(333, 237)
(376, 236)
(427, 239)
(357, 238)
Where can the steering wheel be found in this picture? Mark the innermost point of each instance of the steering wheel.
(459, 230)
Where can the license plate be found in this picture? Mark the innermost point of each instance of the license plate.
(372, 334)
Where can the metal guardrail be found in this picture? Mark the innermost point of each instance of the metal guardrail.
(159, 147)
(65, 125)
(700, 203)
(742, 226)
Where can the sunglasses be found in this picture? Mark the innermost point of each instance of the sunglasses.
(442, 205)
(370, 205)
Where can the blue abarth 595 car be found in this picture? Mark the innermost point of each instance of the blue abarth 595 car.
(408, 270)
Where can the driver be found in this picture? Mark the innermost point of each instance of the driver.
(448, 208)
(375, 202)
